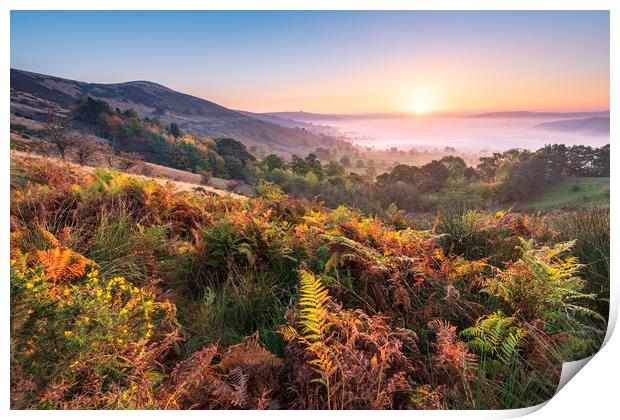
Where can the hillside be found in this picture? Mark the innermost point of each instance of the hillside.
(571, 192)
(178, 180)
(529, 114)
(32, 94)
(596, 126)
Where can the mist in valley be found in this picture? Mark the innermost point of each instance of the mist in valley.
(465, 134)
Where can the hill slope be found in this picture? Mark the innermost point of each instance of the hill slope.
(32, 92)
(571, 192)
(529, 114)
(597, 126)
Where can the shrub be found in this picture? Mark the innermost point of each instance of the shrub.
(270, 191)
(73, 342)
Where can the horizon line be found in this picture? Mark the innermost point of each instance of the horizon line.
(370, 114)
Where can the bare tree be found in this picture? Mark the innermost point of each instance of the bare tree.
(85, 147)
(108, 153)
(57, 128)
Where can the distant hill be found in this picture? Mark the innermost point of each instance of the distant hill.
(284, 122)
(314, 117)
(305, 116)
(595, 126)
(542, 115)
(32, 91)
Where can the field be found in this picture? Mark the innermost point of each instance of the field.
(571, 192)
(128, 292)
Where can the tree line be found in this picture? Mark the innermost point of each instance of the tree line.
(513, 175)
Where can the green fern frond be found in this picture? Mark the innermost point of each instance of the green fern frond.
(497, 336)
(314, 320)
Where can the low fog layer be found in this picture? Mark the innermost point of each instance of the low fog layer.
(466, 134)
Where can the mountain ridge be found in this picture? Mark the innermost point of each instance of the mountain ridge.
(151, 99)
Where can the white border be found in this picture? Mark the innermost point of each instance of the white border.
(592, 395)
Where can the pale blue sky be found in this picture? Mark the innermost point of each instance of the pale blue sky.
(330, 61)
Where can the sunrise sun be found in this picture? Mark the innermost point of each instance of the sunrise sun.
(420, 108)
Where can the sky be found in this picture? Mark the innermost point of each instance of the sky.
(417, 62)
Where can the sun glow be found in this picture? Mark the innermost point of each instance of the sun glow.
(420, 108)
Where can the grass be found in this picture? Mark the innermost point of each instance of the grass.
(571, 192)
(590, 227)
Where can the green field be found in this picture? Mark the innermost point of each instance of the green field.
(571, 192)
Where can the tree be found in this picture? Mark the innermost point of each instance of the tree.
(601, 161)
(524, 178)
(469, 173)
(186, 156)
(311, 182)
(433, 176)
(57, 130)
(489, 166)
(314, 164)
(131, 113)
(272, 162)
(85, 148)
(400, 173)
(345, 161)
(231, 147)
(234, 167)
(91, 110)
(555, 157)
(334, 169)
(280, 176)
(174, 130)
(455, 165)
(216, 164)
(299, 165)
